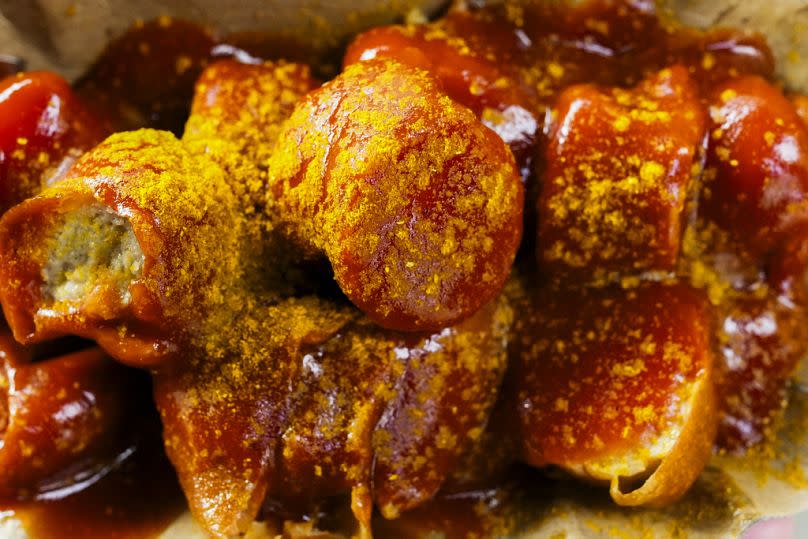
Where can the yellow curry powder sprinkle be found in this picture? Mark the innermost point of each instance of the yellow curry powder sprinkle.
(365, 171)
(182, 211)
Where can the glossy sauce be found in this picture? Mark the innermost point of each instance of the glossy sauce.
(137, 499)
(43, 129)
(146, 77)
(133, 495)
(544, 50)
(617, 44)
(491, 511)
(540, 51)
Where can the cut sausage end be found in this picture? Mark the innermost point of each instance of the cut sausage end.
(93, 259)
